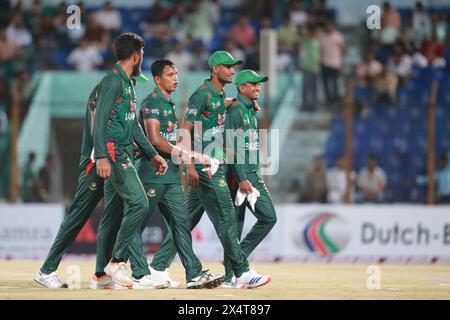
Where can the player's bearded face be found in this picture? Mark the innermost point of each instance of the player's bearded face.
(137, 67)
(225, 73)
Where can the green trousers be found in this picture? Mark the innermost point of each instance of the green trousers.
(170, 200)
(213, 196)
(88, 193)
(264, 213)
(125, 183)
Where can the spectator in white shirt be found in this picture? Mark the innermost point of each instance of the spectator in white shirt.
(17, 31)
(371, 182)
(421, 24)
(109, 18)
(85, 58)
(337, 182)
(299, 16)
(181, 58)
(400, 64)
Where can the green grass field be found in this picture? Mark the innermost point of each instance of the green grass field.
(290, 281)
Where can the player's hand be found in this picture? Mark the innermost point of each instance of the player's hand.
(193, 176)
(103, 168)
(160, 164)
(204, 160)
(246, 187)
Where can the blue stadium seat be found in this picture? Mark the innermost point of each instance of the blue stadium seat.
(398, 134)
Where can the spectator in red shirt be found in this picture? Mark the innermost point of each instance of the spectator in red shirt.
(434, 51)
(243, 32)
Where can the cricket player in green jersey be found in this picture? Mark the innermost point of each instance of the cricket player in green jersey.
(205, 117)
(88, 193)
(158, 118)
(242, 139)
(115, 130)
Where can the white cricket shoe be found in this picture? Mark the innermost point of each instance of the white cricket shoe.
(51, 280)
(233, 284)
(162, 276)
(146, 282)
(251, 279)
(206, 280)
(119, 274)
(104, 282)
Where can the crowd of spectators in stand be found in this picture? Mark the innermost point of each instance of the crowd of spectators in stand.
(422, 40)
(34, 37)
(332, 185)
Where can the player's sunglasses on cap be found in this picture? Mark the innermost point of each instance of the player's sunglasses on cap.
(141, 78)
(222, 57)
(245, 76)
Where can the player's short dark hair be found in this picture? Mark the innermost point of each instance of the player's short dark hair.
(127, 44)
(31, 156)
(158, 66)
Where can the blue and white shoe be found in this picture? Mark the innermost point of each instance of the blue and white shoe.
(251, 280)
(233, 284)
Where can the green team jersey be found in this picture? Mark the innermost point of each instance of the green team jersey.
(157, 106)
(116, 126)
(241, 116)
(87, 143)
(207, 106)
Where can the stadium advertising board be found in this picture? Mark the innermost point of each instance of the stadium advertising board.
(364, 231)
(27, 231)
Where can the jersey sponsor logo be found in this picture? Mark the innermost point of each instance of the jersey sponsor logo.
(151, 193)
(130, 116)
(191, 111)
(147, 111)
(218, 129)
(171, 137)
(93, 186)
(155, 111)
(252, 146)
(125, 165)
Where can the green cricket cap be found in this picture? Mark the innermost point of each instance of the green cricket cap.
(222, 57)
(247, 75)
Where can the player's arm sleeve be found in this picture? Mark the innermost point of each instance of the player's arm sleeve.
(151, 109)
(110, 89)
(142, 142)
(234, 137)
(195, 107)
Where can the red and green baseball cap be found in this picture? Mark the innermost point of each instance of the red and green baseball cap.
(247, 75)
(222, 57)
